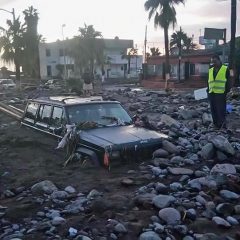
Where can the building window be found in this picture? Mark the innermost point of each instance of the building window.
(61, 52)
(49, 71)
(48, 52)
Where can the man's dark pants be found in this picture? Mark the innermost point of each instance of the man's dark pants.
(218, 108)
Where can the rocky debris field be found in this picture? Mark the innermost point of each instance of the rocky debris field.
(190, 189)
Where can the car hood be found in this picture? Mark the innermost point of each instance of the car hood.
(120, 135)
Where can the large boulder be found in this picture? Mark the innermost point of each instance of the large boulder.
(44, 187)
(224, 169)
(222, 144)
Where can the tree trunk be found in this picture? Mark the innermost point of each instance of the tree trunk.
(167, 66)
(17, 68)
(233, 34)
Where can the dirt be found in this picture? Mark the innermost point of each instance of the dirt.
(28, 157)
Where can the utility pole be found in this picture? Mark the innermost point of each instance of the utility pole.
(64, 54)
(145, 46)
(233, 35)
(179, 57)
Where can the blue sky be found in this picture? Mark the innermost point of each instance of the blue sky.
(126, 18)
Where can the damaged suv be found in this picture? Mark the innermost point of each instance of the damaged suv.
(100, 130)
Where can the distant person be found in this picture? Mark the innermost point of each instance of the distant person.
(87, 84)
(218, 87)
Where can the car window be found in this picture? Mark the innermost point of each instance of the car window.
(44, 113)
(57, 116)
(31, 110)
(99, 113)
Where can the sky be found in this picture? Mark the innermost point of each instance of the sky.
(126, 19)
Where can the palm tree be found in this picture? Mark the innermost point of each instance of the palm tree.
(164, 15)
(189, 45)
(129, 54)
(11, 44)
(178, 38)
(87, 49)
(155, 51)
(32, 39)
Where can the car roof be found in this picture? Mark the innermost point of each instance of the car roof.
(70, 100)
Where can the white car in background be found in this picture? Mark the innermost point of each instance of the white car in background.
(6, 84)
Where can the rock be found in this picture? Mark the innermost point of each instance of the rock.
(237, 209)
(186, 114)
(225, 209)
(169, 147)
(161, 188)
(76, 206)
(180, 171)
(70, 190)
(144, 199)
(120, 228)
(82, 237)
(220, 222)
(233, 221)
(176, 186)
(207, 151)
(149, 236)
(229, 195)
(163, 201)
(158, 228)
(201, 200)
(94, 193)
(160, 153)
(176, 160)
(8, 194)
(53, 213)
(169, 121)
(222, 144)
(170, 215)
(59, 195)
(127, 182)
(224, 169)
(58, 221)
(221, 156)
(191, 214)
(43, 187)
(206, 119)
(188, 238)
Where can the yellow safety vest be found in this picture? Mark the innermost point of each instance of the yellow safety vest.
(218, 84)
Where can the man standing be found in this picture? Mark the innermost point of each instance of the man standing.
(218, 87)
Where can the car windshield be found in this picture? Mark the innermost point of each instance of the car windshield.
(6, 81)
(103, 114)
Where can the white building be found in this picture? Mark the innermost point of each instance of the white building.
(52, 59)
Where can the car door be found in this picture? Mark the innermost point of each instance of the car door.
(30, 114)
(57, 121)
(43, 117)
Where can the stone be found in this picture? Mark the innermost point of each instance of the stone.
(229, 195)
(237, 209)
(225, 209)
(233, 221)
(222, 144)
(221, 222)
(176, 160)
(180, 171)
(144, 199)
(94, 193)
(186, 114)
(169, 147)
(169, 121)
(170, 215)
(158, 228)
(221, 156)
(191, 214)
(120, 228)
(207, 151)
(176, 186)
(160, 153)
(58, 221)
(188, 238)
(161, 188)
(53, 213)
(225, 168)
(82, 237)
(149, 236)
(70, 190)
(206, 118)
(163, 201)
(43, 187)
(127, 182)
(59, 195)
(8, 194)
(201, 200)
